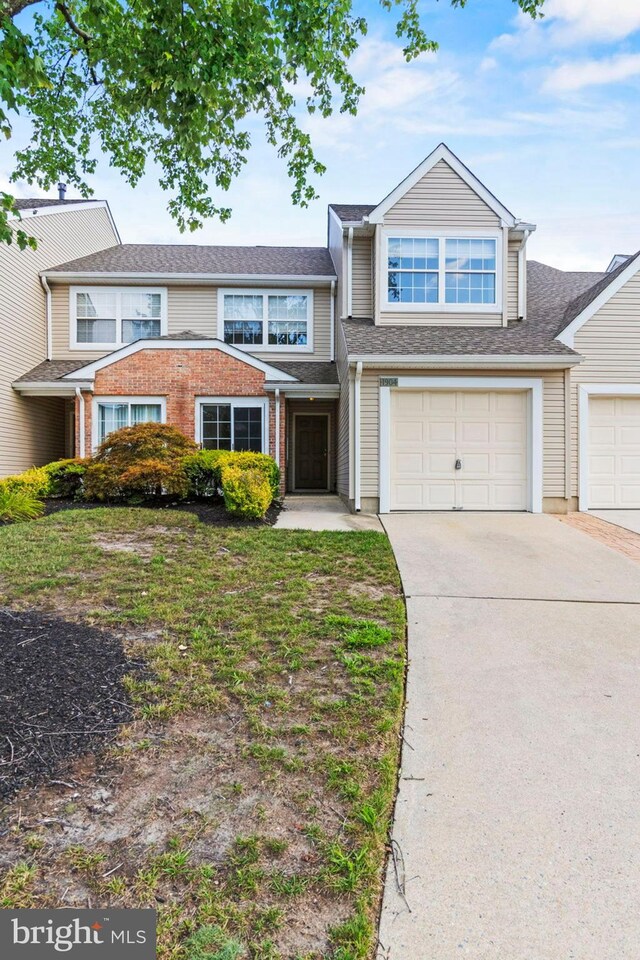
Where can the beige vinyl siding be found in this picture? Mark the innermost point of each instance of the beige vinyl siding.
(32, 429)
(512, 280)
(343, 448)
(193, 307)
(361, 294)
(441, 199)
(610, 345)
(553, 454)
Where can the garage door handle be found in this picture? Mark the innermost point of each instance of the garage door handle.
(458, 464)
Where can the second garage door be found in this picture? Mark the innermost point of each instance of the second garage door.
(614, 452)
(459, 450)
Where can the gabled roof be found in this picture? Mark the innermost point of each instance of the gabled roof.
(351, 212)
(583, 307)
(442, 152)
(190, 259)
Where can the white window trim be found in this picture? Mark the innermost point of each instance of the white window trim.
(585, 392)
(118, 342)
(161, 401)
(441, 235)
(265, 292)
(262, 402)
(535, 425)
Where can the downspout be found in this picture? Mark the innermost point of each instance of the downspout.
(522, 277)
(356, 417)
(349, 271)
(505, 275)
(81, 443)
(277, 438)
(47, 291)
(332, 342)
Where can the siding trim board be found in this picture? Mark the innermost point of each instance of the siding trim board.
(492, 384)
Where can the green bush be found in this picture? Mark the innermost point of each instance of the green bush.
(247, 492)
(66, 476)
(204, 469)
(146, 441)
(102, 482)
(18, 504)
(34, 481)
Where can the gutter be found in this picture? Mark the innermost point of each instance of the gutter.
(50, 388)
(468, 360)
(277, 436)
(214, 278)
(349, 271)
(304, 390)
(357, 435)
(81, 444)
(49, 334)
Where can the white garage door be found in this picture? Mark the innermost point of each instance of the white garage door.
(614, 452)
(485, 433)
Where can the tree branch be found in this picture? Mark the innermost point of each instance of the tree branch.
(11, 8)
(66, 13)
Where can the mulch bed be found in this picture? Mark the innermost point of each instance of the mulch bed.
(61, 695)
(208, 511)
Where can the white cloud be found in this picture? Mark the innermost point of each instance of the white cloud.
(579, 74)
(570, 23)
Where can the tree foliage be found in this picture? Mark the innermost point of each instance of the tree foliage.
(175, 84)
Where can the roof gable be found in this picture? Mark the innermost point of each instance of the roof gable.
(580, 310)
(186, 340)
(442, 153)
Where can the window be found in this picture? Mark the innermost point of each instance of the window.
(233, 424)
(267, 320)
(443, 271)
(112, 414)
(112, 316)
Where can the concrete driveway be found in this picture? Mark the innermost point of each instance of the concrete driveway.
(518, 815)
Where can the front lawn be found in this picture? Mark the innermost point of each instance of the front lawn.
(249, 799)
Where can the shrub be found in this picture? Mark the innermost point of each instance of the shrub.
(66, 476)
(18, 504)
(247, 492)
(204, 469)
(151, 478)
(34, 481)
(146, 441)
(139, 462)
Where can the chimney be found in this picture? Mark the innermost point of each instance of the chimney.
(62, 189)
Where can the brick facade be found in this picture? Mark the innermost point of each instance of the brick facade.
(182, 375)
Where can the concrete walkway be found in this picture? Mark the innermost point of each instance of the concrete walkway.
(518, 815)
(322, 512)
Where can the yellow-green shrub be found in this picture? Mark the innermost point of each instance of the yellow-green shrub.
(204, 469)
(34, 481)
(18, 504)
(66, 476)
(247, 492)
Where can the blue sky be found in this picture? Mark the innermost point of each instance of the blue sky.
(546, 114)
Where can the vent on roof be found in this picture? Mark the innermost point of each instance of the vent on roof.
(62, 189)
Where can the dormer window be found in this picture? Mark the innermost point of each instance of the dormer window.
(104, 318)
(447, 273)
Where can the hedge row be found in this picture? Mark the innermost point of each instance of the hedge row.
(142, 463)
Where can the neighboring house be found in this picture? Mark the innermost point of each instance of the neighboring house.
(416, 363)
(32, 431)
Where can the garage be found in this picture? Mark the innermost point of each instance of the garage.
(614, 452)
(459, 449)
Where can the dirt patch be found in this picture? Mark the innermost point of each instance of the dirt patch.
(61, 695)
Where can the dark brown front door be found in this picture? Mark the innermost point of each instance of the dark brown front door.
(311, 436)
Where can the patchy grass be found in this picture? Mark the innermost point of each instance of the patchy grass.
(249, 801)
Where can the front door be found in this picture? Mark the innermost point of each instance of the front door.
(311, 452)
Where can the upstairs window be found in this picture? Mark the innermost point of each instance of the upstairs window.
(443, 272)
(267, 319)
(108, 317)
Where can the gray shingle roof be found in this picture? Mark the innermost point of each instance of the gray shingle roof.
(352, 212)
(36, 203)
(576, 306)
(307, 371)
(191, 258)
